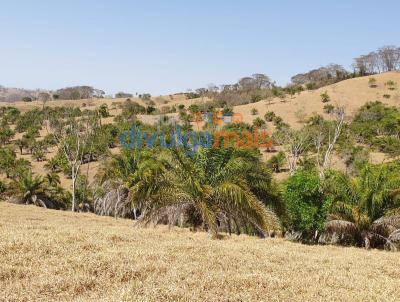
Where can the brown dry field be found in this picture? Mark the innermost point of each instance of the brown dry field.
(48, 255)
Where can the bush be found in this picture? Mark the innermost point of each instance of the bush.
(325, 97)
(254, 111)
(372, 83)
(258, 122)
(306, 204)
(276, 162)
(391, 85)
(311, 86)
(103, 110)
(27, 99)
(256, 98)
(269, 116)
(328, 108)
(277, 120)
(386, 96)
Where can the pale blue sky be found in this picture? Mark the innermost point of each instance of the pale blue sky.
(169, 46)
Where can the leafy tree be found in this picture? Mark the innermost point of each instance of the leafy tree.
(7, 161)
(306, 203)
(6, 134)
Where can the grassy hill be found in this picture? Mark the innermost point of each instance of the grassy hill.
(294, 110)
(47, 255)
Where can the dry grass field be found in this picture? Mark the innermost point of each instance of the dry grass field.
(50, 255)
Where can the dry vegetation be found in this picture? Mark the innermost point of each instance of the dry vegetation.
(48, 255)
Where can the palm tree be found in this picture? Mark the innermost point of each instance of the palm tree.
(29, 189)
(366, 205)
(214, 187)
(117, 175)
(52, 179)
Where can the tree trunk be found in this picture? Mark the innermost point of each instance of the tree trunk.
(73, 189)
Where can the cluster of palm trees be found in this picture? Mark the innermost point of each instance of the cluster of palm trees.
(216, 189)
(46, 191)
(366, 208)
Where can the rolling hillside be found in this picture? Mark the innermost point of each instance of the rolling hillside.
(352, 94)
(47, 255)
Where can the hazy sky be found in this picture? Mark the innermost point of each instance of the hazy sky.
(169, 46)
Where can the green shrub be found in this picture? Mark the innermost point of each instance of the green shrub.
(103, 110)
(311, 86)
(276, 162)
(256, 98)
(269, 116)
(27, 99)
(254, 111)
(328, 108)
(258, 122)
(306, 204)
(325, 97)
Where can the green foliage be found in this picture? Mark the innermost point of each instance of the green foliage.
(391, 85)
(30, 120)
(276, 162)
(194, 109)
(27, 99)
(258, 122)
(311, 86)
(6, 134)
(306, 203)
(356, 157)
(325, 97)
(214, 183)
(130, 109)
(328, 108)
(103, 110)
(254, 111)
(379, 126)
(269, 116)
(367, 197)
(256, 98)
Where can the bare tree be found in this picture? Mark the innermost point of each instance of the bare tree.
(390, 57)
(325, 138)
(295, 142)
(72, 136)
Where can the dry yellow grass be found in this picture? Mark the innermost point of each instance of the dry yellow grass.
(50, 255)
